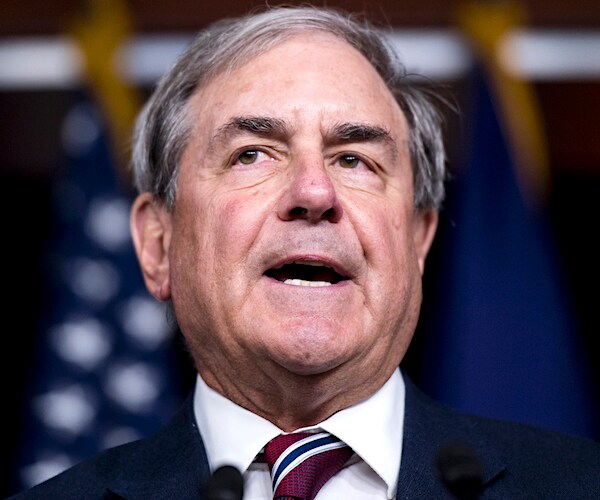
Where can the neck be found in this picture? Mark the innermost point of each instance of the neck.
(293, 401)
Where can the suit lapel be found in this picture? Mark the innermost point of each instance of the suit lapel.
(428, 426)
(171, 464)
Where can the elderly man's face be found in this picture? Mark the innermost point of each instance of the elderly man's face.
(293, 246)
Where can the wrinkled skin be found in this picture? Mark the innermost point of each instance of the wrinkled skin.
(298, 156)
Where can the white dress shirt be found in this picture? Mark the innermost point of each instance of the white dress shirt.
(373, 428)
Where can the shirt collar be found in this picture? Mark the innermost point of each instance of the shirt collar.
(373, 428)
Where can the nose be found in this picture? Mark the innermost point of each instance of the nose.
(310, 194)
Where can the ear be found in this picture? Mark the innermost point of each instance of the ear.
(151, 231)
(425, 225)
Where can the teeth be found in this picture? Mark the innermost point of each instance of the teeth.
(310, 263)
(297, 282)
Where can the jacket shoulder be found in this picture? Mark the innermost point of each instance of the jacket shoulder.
(164, 465)
(518, 460)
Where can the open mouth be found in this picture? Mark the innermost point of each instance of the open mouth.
(313, 274)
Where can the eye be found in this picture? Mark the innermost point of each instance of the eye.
(349, 161)
(250, 156)
(247, 157)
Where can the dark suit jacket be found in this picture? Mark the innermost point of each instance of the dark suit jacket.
(519, 462)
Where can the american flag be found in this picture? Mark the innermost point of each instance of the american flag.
(105, 369)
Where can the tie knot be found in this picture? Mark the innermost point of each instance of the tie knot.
(301, 463)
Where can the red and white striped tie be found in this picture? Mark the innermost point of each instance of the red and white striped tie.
(301, 463)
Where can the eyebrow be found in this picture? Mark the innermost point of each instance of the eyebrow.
(358, 132)
(264, 126)
(343, 133)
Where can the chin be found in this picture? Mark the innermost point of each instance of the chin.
(312, 360)
(309, 368)
(310, 346)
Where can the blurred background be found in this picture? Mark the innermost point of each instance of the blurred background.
(509, 318)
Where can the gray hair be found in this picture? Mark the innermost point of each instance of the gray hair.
(163, 127)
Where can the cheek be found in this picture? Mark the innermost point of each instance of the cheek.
(236, 222)
(394, 263)
(219, 226)
(400, 231)
(390, 230)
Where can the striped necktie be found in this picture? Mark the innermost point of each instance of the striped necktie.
(301, 463)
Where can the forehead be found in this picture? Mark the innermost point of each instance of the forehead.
(311, 76)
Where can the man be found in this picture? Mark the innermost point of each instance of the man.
(290, 177)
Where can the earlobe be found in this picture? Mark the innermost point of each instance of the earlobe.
(151, 231)
(425, 227)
